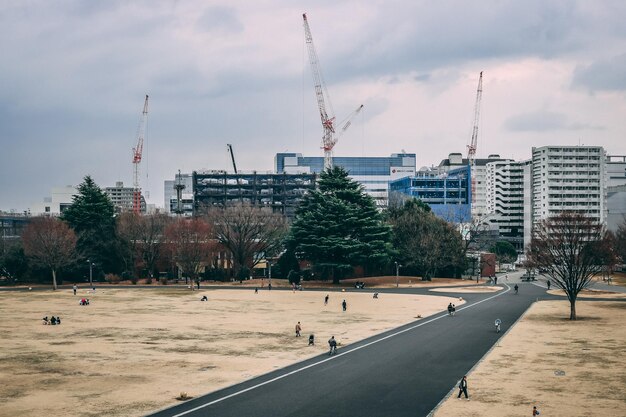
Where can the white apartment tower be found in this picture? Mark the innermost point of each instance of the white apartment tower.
(505, 199)
(569, 178)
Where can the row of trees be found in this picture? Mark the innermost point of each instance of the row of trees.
(337, 228)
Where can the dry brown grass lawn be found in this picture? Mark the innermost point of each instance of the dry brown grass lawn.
(566, 368)
(133, 351)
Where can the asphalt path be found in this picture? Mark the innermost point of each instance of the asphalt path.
(403, 372)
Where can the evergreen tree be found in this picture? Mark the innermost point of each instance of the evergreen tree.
(338, 227)
(92, 217)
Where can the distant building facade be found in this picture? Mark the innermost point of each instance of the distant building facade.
(122, 197)
(374, 173)
(479, 198)
(171, 199)
(447, 193)
(280, 192)
(60, 198)
(505, 199)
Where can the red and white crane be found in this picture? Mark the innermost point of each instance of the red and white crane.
(329, 137)
(471, 148)
(137, 152)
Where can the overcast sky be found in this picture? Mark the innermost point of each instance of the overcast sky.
(73, 76)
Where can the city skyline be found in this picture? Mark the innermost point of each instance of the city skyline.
(75, 75)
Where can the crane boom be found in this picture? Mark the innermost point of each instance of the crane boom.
(137, 153)
(232, 156)
(473, 146)
(321, 94)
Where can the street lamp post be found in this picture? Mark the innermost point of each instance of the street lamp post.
(90, 272)
(398, 266)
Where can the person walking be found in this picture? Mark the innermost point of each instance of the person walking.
(344, 305)
(495, 280)
(326, 299)
(516, 288)
(333, 345)
(298, 329)
(548, 283)
(450, 309)
(74, 288)
(453, 309)
(463, 388)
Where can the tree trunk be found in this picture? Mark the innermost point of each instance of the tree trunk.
(572, 309)
(54, 279)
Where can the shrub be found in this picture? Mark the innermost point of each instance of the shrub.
(149, 280)
(163, 281)
(112, 278)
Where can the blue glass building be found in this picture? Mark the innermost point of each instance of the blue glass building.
(373, 172)
(448, 194)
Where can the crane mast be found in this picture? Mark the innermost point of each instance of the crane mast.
(471, 148)
(321, 93)
(137, 152)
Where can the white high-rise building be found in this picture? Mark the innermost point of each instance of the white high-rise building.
(568, 178)
(505, 199)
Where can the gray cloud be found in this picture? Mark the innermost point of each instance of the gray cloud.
(544, 121)
(222, 19)
(603, 75)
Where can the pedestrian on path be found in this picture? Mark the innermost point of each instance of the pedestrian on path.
(298, 329)
(450, 309)
(516, 288)
(453, 309)
(326, 299)
(344, 305)
(74, 288)
(548, 285)
(496, 279)
(463, 388)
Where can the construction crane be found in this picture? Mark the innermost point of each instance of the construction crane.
(137, 152)
(329, 138)
(471, 148)
(232, 156)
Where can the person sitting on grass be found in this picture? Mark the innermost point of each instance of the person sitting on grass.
(53, 320)
(45, 320)
(204, 298)
(311, 340)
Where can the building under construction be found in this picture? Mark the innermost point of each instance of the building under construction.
(280, 192)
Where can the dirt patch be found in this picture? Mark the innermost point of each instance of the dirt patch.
(132, 351)
(565, 368)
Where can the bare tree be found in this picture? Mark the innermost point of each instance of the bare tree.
(248, 233)
(152, 238)
(50, 242)
(571, 248)
(190, 243)
(129, 225)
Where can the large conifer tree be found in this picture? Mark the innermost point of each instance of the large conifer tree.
(92, 216)
(338, 227)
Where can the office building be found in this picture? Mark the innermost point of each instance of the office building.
(447, 193)
(171, 198)
(280, 192)
(616, 191)
(479, 192)
(60, 198)
(374, 173)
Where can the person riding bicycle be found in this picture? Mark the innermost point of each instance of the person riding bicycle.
(516, 288)
(333, 345)
(497, 323)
